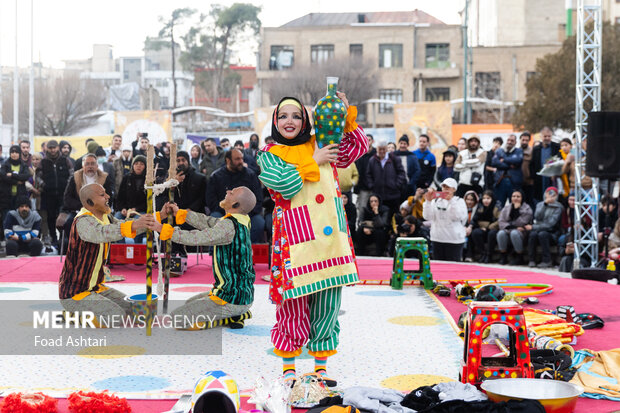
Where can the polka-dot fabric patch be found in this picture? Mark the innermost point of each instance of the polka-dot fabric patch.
(408, 382)
(111, 352)
(410, 320)
(252, 330)
(380, 293)
(438, 350)
(131, 383)
(8, 290)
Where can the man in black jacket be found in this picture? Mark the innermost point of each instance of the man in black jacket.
(361, 189)
(56, 170)
(231, 176)
(545, 150)
(190, 193)
(13, 176)
(386, 177)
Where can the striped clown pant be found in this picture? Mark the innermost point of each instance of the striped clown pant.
(311, 319)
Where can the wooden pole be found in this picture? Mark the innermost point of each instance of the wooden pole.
(172, 171)
(149, 180)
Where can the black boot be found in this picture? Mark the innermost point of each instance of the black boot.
(503, 260)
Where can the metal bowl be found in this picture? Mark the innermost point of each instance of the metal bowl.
(555, 396)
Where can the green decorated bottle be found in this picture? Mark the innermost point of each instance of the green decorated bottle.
(330, 115)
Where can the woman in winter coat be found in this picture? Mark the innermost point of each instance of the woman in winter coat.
(485, 227)
(471, 201)
(446, 169)
(447, 214)
(195, 157)
(512, 221)
(373, 227)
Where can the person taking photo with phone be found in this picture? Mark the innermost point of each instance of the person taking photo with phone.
(447, 214)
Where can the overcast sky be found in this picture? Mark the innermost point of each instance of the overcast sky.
(67, 29)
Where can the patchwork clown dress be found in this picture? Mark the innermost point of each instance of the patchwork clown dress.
(312, 252)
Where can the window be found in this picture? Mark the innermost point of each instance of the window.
(389, 94)
(281, 57)
(164, 101)
(356, 50)
(437, 55)
(320, 53)
(434, 94)
(487, 85)
(390, 55)
(245, 93)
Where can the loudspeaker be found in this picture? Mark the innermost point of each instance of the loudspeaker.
(603, 150)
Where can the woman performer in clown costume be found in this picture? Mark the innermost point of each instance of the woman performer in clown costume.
(312, 255)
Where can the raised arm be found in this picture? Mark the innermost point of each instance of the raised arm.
(354, 142)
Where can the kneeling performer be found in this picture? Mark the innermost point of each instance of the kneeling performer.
(229, 302)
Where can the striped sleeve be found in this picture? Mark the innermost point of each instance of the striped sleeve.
(278, 175)
(352, 146)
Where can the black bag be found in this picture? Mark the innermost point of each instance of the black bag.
(475, 178)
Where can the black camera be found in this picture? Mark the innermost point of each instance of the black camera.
(144, 135)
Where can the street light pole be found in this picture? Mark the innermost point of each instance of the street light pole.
(466, 70)
(16, 88)
(31, 85)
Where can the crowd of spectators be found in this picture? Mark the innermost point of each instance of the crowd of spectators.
(474, 204)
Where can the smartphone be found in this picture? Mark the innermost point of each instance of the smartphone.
(439, 194)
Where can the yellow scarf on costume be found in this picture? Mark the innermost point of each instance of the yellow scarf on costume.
(564, 178)
(300, 155)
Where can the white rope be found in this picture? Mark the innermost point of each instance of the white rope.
(159, 189)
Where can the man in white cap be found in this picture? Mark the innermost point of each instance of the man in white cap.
(122, 165)
(447, 214)
(470, 166)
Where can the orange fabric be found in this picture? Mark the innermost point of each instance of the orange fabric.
(217, 300)
(158, 216)
(99, 289)
(126, 230)
(300, 155)
(166, 232)
(350, 124)
(287, 354)
(180, 217)
(564, 178)
(325, 353)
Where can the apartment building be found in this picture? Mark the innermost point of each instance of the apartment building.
(413, 56)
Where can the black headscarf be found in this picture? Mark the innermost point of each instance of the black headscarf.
(306, 127)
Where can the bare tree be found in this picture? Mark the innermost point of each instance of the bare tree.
(63, 103)
(177, 18)
(356, 77)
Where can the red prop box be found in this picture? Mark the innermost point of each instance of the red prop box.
(127, 254)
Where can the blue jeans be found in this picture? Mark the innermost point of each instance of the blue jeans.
(502, 191)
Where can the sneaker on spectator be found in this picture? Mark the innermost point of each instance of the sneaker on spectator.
(545, 265)
(532, 264)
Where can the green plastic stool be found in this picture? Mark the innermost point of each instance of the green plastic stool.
(399, 275)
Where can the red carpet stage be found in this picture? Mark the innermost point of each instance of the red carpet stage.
(585, 296)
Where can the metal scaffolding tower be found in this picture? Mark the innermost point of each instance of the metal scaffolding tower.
(587, 98)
